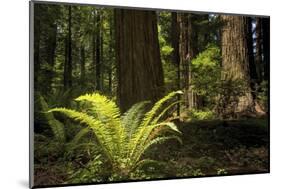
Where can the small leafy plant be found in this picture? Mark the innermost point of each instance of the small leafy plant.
(200, 114)
(125, 138)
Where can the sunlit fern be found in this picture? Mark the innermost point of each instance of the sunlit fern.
(125, 138)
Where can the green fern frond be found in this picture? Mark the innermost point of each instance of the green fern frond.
(145, 139)
(155, 120)
(103, 135)
(160, 140)
(132, 118)
(155, 141)
(56, 126)
(144, 130)
(158, 105)
(123, 139)
(76, 139)
(108, 113)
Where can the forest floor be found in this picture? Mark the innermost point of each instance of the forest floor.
(209, 148)
(217, 148)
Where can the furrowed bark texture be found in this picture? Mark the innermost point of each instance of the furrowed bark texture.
(139, 67)
(235, 57)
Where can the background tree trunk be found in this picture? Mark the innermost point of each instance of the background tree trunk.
(82, 65)
(188, 49)
(252, 65)
(266, 46)
(183, 49)
(68, 54)
(235, 57)
(192, 53)
(37, 37)
(111, 54)
(51, 52)
(101, 54)
(259, 49)
(98, 63)
(175, 46)
(94, 49)
(139, 67)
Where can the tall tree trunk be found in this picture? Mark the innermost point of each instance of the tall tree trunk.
(250, 46)
(51, 52)
(266, 46)
(68, 55)
(184, 57)
(94, 49)
(175, 46)
(192, 52)
(98, 45)
(37, 37)
(139, 67)
(101, 55)
(235, 60)
(82, 65)
(110, 52)
(259, 49)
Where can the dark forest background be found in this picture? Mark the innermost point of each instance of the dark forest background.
(220, 62)
(140, 55)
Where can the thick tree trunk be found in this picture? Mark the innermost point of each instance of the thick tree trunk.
(266, 46)
(235, 59)
(139, 67)
(175, 45)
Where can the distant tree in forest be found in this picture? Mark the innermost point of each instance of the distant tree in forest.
(258, 48)
(266, 46)
(175, 36)
(67, 79)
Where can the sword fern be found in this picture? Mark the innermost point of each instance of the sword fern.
(124, 138)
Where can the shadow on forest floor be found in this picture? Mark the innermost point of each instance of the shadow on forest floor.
(217, 148)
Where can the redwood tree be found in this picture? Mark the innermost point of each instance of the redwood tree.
(235, 58)
(139, 67)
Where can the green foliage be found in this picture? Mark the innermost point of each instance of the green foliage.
(93, 171)
(201, 114)
(198, 172)
(124, 139)
(170, 70)
(262, 94)
(56, 126)
(221, 172)
(58, 145)
(206, 71)
(229, 92)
